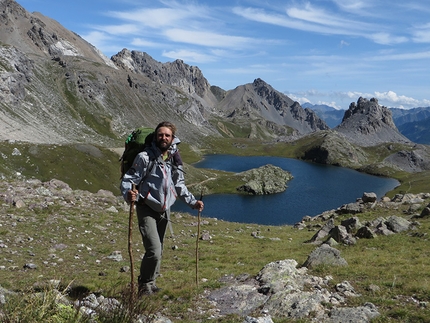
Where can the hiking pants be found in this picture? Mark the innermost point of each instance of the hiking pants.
(152, 226)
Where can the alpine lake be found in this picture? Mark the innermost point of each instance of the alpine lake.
(314, 189)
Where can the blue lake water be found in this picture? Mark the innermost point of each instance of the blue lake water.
(314, 189)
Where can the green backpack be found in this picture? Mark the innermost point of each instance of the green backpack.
(134, 144)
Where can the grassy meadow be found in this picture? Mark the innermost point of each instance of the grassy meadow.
(72, 244)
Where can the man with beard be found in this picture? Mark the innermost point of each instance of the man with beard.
(158, 175)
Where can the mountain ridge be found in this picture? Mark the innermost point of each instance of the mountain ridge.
(56, 88)
(73, 93)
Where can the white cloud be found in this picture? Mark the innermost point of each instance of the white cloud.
(209, 39)
(402, 57)
(259, 15)
(303, 99)
(124, 29)
(297, 98)
(310, 18)
(153, 18)
(422, 34)
(343, 43)
(99, 40)
(317, 16)
(189, 56)
(387, 39)
(355, 95)
(140, 42)
(393, 97)
(351, 5)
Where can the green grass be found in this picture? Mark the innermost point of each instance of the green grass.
(399, 264)
(82, 166)
(91, 168)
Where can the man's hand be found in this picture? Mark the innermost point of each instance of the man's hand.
(199, 205)
(132, 195)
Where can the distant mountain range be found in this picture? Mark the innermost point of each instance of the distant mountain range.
(412, 123)
(330, 115)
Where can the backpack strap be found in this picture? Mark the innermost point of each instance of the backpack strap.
(177, 159)
(152, 161)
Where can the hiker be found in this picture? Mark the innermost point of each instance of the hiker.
(158, 175)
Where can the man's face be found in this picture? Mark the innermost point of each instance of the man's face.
(164, 138)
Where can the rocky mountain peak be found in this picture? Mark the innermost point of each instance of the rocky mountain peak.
(367, 123)
(279, 100)
(258, 101)
(41, 36)
(188, 78)
(370, 109)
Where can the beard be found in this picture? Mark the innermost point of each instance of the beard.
(163, 145)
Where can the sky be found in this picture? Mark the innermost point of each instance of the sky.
(318, 51)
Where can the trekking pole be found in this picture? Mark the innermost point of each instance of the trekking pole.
(130, 250)
(197, 243)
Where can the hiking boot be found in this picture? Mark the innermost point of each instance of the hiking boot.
(147, 289)
(155, 289)
(144, 290)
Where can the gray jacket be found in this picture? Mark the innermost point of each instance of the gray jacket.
(159, 182)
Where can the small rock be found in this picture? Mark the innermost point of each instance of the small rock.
(205, 236)
(30, 266)
(19, 204)
(116, 255)
(369, 197)
(325, 255)
(125, 269)
(112, 209)
(373, 288)
(16, 152)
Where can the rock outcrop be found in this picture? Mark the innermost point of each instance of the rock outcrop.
(412, 161)
(351, 229)
(188, 78)
(283, 290)
(266, 179)
(330, 148)
(366, 123)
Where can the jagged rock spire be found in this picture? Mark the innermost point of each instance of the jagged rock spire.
(366, 123)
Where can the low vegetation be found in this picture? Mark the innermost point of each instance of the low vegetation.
(398, 264)
(71, 248)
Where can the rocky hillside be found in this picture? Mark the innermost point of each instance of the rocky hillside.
(366, 123)
(417, 131)
(260, 103)
(57, 88)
